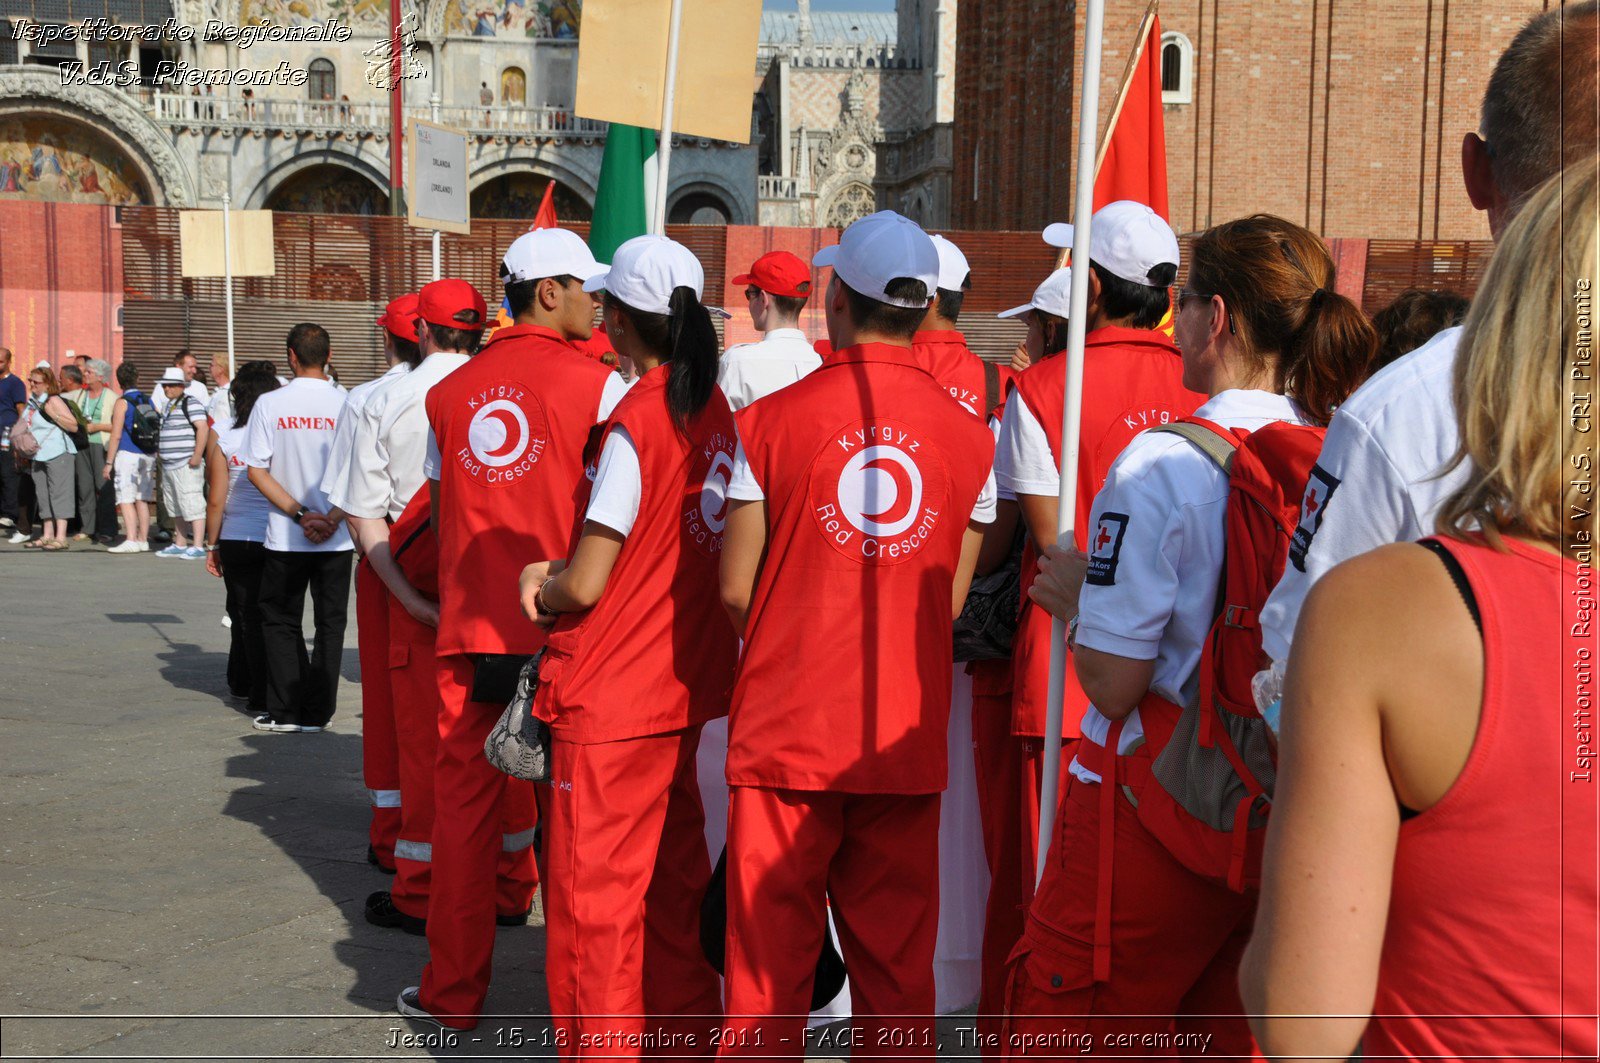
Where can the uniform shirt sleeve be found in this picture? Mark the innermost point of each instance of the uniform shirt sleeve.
(983, 511)
(618, 486)
(259, 436)
(742, 485)
(1002, 494)
(1370, 507)
(431, 464)
(1023, 464)
(1136, 549)
(615, 388)
(730, 378)
(337, 470)
(367, 488)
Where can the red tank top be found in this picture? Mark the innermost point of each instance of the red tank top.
(870, 475)
(1492, 916)
(511, 426)
(657, 651)
(960, 372)
(1132, 380)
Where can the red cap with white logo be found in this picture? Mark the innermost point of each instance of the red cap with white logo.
(778, 273)
(452, 303)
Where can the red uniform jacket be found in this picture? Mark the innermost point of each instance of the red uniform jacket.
(959, 371)
(657, 651)
(1132, 380)
(870, 477)
(511, 426)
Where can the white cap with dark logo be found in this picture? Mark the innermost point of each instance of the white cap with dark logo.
(880, 249)
(645, 271)
(1127, 238)
(1054, 296)
(549, 253)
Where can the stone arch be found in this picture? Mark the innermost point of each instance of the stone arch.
(707, 189)
(580, 184)
(111, 116)
(284, 172)
(853, 200)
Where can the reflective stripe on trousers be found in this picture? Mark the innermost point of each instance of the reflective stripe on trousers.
(384, 798)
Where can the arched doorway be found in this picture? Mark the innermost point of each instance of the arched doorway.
(328, 189)
(700, 208)
(48, 158)
(517, 196)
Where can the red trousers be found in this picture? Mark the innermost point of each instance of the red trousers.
(380, 767)
(876, 857)
(1175, 938)
(414, 677)
(1010, 774)
(475, 809)
(625, 871)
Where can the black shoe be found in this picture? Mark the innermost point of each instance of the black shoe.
(372, 858)
(514, 920)
(382, 912)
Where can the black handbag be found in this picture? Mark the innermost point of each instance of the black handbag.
(494, 676)
(988, 621)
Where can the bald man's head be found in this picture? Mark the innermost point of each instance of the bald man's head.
(1538, 111)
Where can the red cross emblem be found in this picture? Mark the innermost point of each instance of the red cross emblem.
(1311, 501)
(1102, 539)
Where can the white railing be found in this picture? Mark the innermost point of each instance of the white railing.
(771, 186)
(178, 108)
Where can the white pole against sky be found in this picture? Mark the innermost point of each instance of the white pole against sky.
(227, 276)
(1072, 413)
(433, 102)
(658, 210)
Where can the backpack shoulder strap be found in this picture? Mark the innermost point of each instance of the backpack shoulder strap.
(1214, 442)
(991, 388)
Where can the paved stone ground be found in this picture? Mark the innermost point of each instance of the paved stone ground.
(176, 885)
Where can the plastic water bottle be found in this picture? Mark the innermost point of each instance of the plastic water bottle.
(1267, 688)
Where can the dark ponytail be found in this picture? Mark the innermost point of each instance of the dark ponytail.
(1329, 354)
(685, 338)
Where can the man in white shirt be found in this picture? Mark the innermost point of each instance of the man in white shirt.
(776, 288)
(1378, 479)
(290, 435)
(191, 387)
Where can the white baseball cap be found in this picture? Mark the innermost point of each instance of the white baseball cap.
(645, 271)
(881, 248)
(549, 253)
(1054, 296)
(953, 268)
(1126, 237)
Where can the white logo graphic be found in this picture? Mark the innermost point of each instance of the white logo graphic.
(714, 493)
(498, 434)
(880, 491)
(381, 72)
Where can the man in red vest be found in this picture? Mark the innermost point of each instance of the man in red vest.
(509, 430)
(1132, 380)
(857, 501)
(942, 350)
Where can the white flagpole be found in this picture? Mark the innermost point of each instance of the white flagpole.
(658, 210)
(227, 276)
(433, 103)
(1071, 413)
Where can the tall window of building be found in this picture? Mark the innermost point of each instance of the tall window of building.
(1177, 69)
(322, 82)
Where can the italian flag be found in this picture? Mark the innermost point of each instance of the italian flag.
(627, 187)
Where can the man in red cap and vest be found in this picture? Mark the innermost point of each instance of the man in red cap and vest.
(776, 289)
(857, 500)
(506, 455)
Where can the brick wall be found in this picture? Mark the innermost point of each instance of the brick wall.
(1343, 115)
(60, 282)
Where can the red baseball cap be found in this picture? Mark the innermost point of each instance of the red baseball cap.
(778, 273)
(452, 303)
(400, 317)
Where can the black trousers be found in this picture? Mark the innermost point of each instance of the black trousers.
(300, 689)
(242, 564)
(10, 481)
(97, 512)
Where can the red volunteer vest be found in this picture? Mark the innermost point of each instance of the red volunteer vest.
(1132, 380)
(870, 476)
(960, 372)
(657, 652)
(511, 426)
(1492, 932)
(414, 546)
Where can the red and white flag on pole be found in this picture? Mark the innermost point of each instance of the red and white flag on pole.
(545, 216)
(1133, 160)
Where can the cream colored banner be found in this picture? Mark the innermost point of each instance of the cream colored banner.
(200, 234)
(622, 64)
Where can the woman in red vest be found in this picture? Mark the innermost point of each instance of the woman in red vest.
(640, 655)
(1126, 945)
(1431, 860)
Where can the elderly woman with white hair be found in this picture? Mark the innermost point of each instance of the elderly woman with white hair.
(96, 495)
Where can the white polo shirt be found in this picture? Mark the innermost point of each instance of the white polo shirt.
(1156, 546)
(338, 471)
(1375, 477)
(751, 371)
(290, 435)
(391, 442)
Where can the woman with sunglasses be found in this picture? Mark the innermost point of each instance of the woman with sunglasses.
(51, 421)
(1151, 947)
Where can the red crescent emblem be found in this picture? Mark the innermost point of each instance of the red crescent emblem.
(903, 491)
(513, 433)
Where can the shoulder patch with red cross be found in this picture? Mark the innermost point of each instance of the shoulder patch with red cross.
(1105, 548)
(1320, 487)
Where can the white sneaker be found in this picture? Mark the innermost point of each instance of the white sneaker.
(128, 546)
(144, 548)
(18, 537)
(7, 522)
(227, 621)
(171, 551)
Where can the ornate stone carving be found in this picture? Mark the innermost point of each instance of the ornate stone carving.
(114, 114)
(213, 176)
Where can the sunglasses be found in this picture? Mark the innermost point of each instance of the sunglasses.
(751, 293)
(1185, 294)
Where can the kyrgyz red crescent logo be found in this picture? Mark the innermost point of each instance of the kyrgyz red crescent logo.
(705, 506)
(505, 435)
(878, 492)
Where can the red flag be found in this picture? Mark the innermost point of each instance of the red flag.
(1135, 163)
(545, 218)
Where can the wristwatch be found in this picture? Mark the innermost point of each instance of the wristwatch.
(212, 548)
(299, 515)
